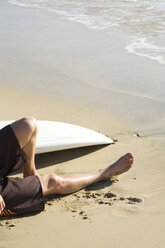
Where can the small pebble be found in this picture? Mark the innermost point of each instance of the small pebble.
(136, 135)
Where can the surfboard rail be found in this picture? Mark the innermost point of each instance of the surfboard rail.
(55, 136)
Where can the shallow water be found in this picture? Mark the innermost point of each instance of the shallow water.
(141, 22)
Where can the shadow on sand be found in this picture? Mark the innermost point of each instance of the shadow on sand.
(58, 157)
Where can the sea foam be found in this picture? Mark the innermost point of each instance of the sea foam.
(143, 21)
(142, 47)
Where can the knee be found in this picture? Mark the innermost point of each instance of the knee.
(30, 123)
(55, 184)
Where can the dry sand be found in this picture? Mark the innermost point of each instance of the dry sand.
(124, 213)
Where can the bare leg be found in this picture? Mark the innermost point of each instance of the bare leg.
(53, 184)
(26, 132)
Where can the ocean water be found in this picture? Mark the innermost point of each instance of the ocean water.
(136, 72)
(142, 22)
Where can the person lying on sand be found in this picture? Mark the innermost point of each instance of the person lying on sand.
(26, 195)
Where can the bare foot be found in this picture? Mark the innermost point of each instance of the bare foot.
(120, 166)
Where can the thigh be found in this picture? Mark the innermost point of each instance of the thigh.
(22, 196)
(23, 129)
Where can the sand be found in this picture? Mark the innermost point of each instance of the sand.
(124, 213)
(34, 81)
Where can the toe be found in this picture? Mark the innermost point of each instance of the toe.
(129, 156)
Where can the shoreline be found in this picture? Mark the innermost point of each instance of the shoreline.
(55, 109)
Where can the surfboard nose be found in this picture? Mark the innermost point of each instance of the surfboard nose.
(54, 136)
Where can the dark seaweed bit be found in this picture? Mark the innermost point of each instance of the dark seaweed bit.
(109, 195)
(134, 199)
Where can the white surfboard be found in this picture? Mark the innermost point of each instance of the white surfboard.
(55, 136)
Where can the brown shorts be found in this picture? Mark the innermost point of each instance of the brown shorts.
(11, 155)
(20, 195)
